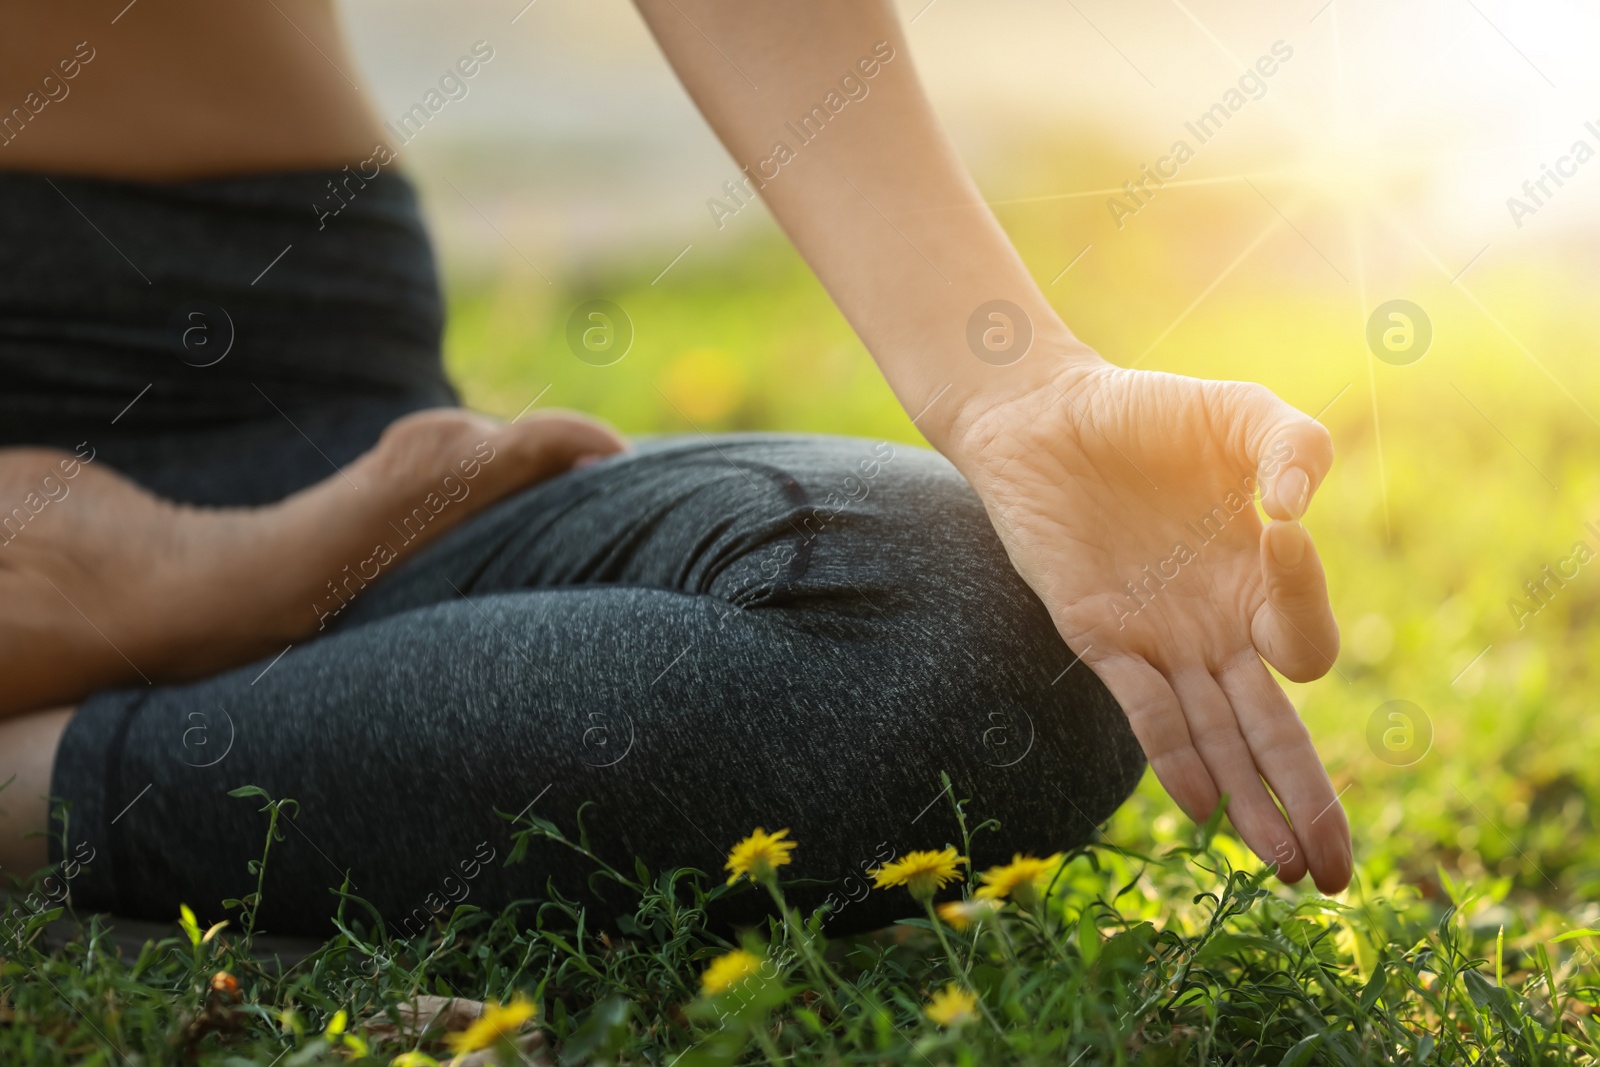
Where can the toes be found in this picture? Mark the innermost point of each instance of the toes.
(551, 442)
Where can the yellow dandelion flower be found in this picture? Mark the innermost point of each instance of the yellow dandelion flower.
(728, 970)
(1022, 871)
(758, 855)
(495, 1023)
(413, 1059)
(963, 913)
(952, 1006)
(922, 873)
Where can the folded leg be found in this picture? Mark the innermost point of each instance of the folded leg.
(699, 638)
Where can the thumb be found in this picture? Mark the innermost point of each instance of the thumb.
(1290, 451)
(1294, 629)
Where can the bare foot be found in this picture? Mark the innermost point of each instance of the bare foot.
(103, 584)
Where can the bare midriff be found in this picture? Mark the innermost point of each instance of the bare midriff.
(172, 89)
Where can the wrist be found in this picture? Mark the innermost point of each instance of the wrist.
(989, 396)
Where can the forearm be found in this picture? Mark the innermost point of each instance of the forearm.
(870, 191)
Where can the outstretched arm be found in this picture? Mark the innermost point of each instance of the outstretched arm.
(1125, 498)
(876, 199)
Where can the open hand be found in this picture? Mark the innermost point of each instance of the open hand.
(1126, 499)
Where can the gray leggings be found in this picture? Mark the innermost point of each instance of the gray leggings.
(702, 637)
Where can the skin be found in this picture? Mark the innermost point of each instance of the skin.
(1089, 472)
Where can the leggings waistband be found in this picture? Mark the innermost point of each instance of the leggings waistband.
(210, 301)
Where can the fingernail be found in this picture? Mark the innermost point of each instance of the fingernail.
(1293, 489)
(1287, 540)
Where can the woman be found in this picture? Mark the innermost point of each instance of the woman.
(296, 565)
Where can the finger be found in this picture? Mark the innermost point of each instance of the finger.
(1290, 451)
(1157, 720)
(1215, 729)
(1294, 628)
(1288, 760)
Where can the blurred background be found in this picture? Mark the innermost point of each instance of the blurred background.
(1376, 166)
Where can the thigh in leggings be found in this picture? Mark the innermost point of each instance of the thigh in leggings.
(698, 638)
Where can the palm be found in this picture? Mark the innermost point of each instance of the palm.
(1126, 499)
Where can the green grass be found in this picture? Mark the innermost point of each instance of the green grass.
(1458, 479)
(1192, 957)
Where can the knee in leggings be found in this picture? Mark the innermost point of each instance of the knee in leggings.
(1038, 743)
(921, 651)
(1041, 756)
(951, 631)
